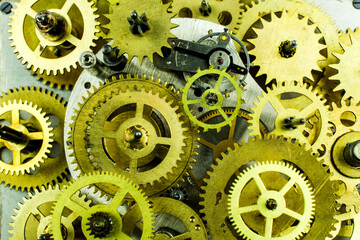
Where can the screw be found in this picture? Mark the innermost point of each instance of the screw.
(6, 7)
(356, 4)
(271, 204)
(205, 8)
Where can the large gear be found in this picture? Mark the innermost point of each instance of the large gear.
(212, 98)
(346, 129)
(68, 28)
(151, 14)
(303, 116)
(287, 46)
(101, 215)
(214, 11)
(221, 177)
(33, 217)
(54, 167)
(260, 8)
(22, 133)
(61, 81)
(176, 211)
(153, 141)
(272, 202)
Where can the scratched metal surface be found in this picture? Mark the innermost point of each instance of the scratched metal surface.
(13, 74)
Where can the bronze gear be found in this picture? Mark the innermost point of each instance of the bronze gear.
(224, 172)
(92, 123)
(54, 168)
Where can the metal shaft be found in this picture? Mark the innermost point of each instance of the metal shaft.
(352, 153)
(51, 25)
(11, 135)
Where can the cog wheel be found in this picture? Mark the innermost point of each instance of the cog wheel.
(103, 7)
(294, 36)
(212, 98)
(271, 203)
(174, 211)
(102, 215)
(347, 226)
(20, 137)
(140, 23)
(214, 11)
(301, 114)
(32, 218)
(223, 174)
(218, 143)
(346, 74)
(135, 127)
(51, 125)
(57, 32)
(342, 146)
(177, 193)
(259, 9)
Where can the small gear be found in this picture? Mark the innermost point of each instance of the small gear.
(212, 98)
(32, 219)
(345, 73)
(302, 38)
(272, 202)
(276, 149)
(137, 128)
(126, 193)
(138, 23)
(54, 168)
(175, 212)
(342, 155)
(177, 193)
(301, 114)
(55, 37)
(347, 226)
(258, 9)
(225, 13)
(20, 138)
(103, 7)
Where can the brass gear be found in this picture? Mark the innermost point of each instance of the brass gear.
(157, 159)
(347, 226)
(33, 217)
(159, 23)
(346, 128)
(272, 202)
(53, 56)
(103, 7)
(37, 128)
(54, 168)
(226, 13)
(307, 104)
(126, 193)
(215, 95)
(223, 173)
(267, 50)
(177, 211)
(259, 8)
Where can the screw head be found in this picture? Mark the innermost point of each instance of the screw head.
(6, 7)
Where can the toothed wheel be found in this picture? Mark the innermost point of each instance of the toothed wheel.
(272, 203)
(49, 146)
(127, 195)
(212, 98)
(259, 151)
(28, 140)
(288, 33)
(137, 128)
(50, 35)
(301, 114)
(347, 226)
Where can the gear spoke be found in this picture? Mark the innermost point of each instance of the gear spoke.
(36, 136)
(165, 141)
(133, 165)
(15, 117)
(118, 198)
(39, 49)
(287, 187)
(109, 134)
(74, 40)
(194, 101)
(232, 129)
(223, 114)
(206, 143)
(247, 209)
(72, 217)
(308, 110)
(16, 158)
(293, 214)
(75, 207)
(31, 12)
(268, 227)
(218, 82)
(67, 5)
(260, 183)
(37, 212)
(139, 110)
(275, 102)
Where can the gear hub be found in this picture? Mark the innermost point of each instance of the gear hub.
(100, 224)
(136, 137)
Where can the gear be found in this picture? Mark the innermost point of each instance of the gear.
(268, 51)
(303, 115)
(153, 148)
(100, 224)
(103, 7)
(54, 168)
(20, 137)
(175, 212)
(346, 128)
(208, 141)
(272, 202)
(55, 38)
(126, 192)
(259, 8)
(177, 193)
(32, 219)
(212, 98)
(225, 13)
(347, 74)
(223, 173)
(121, 32)
(347, 225)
